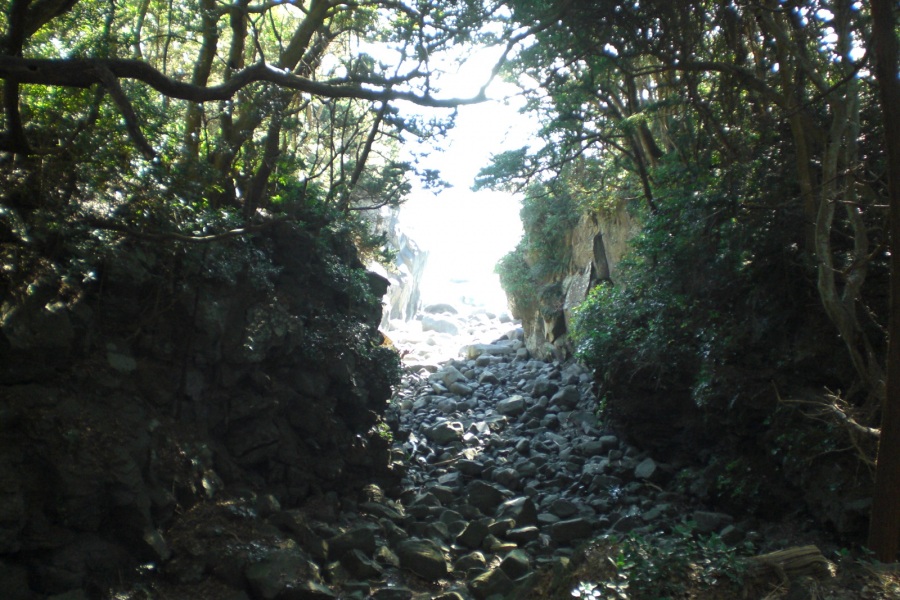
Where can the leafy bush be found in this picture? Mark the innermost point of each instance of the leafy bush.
(699, 291)
(661, 566)
(517, 280)
(549, 213)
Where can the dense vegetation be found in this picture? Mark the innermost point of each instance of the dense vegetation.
(747, 138)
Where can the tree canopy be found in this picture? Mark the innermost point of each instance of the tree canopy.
(237, 105)
(750, 138)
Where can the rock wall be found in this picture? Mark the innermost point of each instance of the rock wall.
(173, 373)
(405, 275)
(598, 243)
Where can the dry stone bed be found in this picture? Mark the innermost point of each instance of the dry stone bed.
(503, 471)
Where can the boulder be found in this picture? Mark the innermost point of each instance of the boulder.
(516, 564)
(512, 406)
(567, 398)
(485, 496)
(282, 570)
(493, 582)
(424, 558)
(440, 309)
(446, 432)
(430, 323)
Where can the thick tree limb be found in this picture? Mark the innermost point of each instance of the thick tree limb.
(85, 72)
(131, 119)
(884, 526)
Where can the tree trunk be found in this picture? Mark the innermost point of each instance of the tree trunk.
(884, 527)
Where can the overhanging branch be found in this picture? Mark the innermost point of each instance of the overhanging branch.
(85, 72)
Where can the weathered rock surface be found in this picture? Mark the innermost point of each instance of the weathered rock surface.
(487, 487)
(598, 243)
(160, 382)
(404, 294)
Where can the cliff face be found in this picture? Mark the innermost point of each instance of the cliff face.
(404, 275)
(597, 244)
(169, 373)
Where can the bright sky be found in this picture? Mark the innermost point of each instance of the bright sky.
(467, 232)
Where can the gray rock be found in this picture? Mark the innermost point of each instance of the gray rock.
(627, 523)
(359, 538)
(512, 406)
(460, 389)
(567, 398)
(450, 596)
(399, 592)
(522, 510)
(472, 468)
(563, 508)
(472, 560)
(475, 350)
(437, 309)
(647, 469)
(360, 566)
(281, 570)
(450, 375)
(569, 530)
(516, 564)
(430, 323)
(508, 478)
(473, 535)
(422, 557)
(490, 583)
(446, 432)
(488, 377)
(485, 496)
(654, 514)
(484, 360)
(447, 405)
(711, 522)
(523, 535)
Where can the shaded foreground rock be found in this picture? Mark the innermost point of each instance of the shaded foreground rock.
(487, 489)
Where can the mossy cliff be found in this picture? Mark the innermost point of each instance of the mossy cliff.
(565, 252)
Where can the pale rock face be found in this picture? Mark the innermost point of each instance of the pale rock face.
(405, 276)
(598, 243)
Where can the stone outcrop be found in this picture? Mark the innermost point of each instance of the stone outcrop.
(598, 242)
(403, 297)
(169, 375)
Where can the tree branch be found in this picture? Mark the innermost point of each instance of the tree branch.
(85, 72)
(131, 119)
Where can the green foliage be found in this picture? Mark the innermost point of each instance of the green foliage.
(517, 280)
(664, 566)
(549, 212)
(699, 289)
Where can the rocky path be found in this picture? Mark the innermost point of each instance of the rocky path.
(502, 470)
(507, 470)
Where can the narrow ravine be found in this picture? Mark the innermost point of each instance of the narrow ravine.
(508, 470)
(504, 485)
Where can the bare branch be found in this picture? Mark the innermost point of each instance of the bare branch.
(83, 73)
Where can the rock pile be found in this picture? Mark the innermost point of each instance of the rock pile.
(503, 470)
